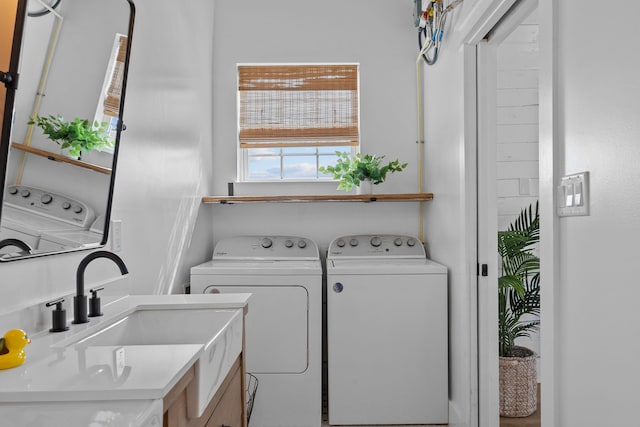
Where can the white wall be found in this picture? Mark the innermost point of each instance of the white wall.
(596, 327)
(164, 168)
(447, 234)
(449, 173)
(377, 34)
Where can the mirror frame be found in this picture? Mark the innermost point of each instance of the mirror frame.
(10, 96)
(121, 125)
(5, 142)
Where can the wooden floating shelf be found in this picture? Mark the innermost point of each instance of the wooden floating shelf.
(59, 158)
(411, 197)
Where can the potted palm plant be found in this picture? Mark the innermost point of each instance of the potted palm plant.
(77, 136)
(354, 171)
(518, 308)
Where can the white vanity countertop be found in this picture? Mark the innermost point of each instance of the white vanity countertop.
(132, 413)
(80, 374)
(121, 382)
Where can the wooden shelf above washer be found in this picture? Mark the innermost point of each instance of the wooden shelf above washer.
(58, 158)
(409, 197)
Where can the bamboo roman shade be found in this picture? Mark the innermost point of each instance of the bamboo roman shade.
(298, 105)
(112, 100)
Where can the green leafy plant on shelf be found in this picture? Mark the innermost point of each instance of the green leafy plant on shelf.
(519, 285)
(78, 136)
(350, 170)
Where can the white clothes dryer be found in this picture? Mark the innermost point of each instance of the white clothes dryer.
(387, 332)
(283, 323)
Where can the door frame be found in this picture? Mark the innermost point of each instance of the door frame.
(474, 30)
(487, 217)
(550, 159)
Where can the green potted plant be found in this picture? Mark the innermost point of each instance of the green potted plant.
(79, 135)
(518, 299)
(351, 171)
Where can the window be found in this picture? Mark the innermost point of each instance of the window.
(109, 102)
(292, 118)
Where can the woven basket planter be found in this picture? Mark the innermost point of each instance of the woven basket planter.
(518, 383)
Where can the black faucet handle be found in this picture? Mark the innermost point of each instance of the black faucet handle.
(58, 316)
(94, 303)
(94, 292)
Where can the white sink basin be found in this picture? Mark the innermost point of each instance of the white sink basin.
(158, 327)
(219, 331)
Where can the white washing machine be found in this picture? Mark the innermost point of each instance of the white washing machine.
(387, 332)
(46, 220)
(283, 324)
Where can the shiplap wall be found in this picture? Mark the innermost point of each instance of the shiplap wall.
(517, 148)
(517, 116)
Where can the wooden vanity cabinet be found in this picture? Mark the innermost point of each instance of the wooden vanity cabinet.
(226, 408)
(229, 410)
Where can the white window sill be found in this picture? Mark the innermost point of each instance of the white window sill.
(310, 187)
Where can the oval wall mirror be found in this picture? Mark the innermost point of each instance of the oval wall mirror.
(59, 158)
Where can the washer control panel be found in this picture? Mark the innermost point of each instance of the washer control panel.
(50, 204)
(266, 247)
(376, 245)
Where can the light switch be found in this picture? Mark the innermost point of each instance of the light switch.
(116, 235)
(573, 195)
(568, 195)
(577, 194)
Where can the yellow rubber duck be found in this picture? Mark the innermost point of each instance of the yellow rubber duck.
(12, 348)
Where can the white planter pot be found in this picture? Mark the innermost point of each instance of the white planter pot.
(65, 153)
(365, 187)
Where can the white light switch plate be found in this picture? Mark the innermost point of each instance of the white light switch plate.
(116, 235)
(573, 195)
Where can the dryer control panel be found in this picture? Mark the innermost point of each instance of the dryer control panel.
(266, 248)
(376, 246)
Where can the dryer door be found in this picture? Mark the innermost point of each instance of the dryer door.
(276, 327)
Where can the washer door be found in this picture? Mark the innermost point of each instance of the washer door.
(277, 325)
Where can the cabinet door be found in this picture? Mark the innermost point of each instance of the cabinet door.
(228, 413)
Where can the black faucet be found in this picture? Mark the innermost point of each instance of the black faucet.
(80, 300)
(15, 242)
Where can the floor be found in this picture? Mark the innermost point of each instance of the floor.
(325, 424)
(530, 421)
